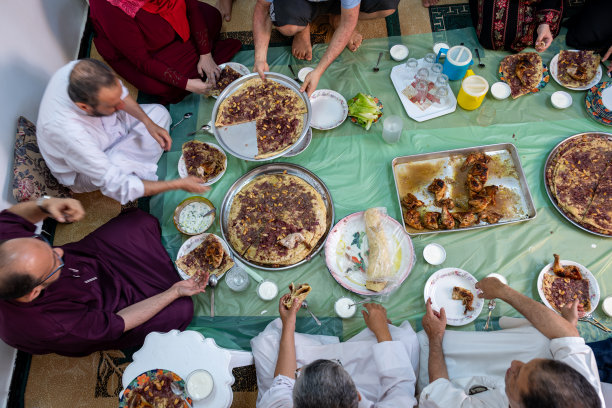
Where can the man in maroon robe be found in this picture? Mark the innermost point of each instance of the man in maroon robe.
(107, 291)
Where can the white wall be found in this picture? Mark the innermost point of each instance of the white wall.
(36, 38)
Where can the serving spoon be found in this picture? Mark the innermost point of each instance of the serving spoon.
(376, 69)
(491, 306)
(480, 64)
(178, 390)
(185, 116)
(305, 306)
(212, 282)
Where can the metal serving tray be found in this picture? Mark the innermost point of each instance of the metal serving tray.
(277, 168)
(504, 170)
(241, 140)
(548, 192)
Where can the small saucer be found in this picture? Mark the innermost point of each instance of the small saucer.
(303, 72)
(502, 278)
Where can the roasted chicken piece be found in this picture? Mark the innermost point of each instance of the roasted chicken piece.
(465, 219)
(446, 219)
(475, 158)
(430, 220)
(410, 202)
(577, 72)
(413, 219)
(477, 176)
(479, 203)
(437, 188)
(568, 271)
(214, 254)
(292, 240)
(522, 70)
(450, 204)
(489, 216)
(489, 192)
(465, 296)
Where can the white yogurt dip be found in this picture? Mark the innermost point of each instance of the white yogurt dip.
(199, 384)
(434, 254)
(502, 278)
(399, 52)
(607, 306)
(561, 100)
(343, 308)
(191, 220)
(267, 290)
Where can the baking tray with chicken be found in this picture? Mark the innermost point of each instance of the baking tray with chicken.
(462, 189)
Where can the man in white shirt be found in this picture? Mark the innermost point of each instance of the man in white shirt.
(293, 18)
(375, 369)
(568, 379)
(94, 136)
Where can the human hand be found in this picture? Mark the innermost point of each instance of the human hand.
(191, 184)
(207, 66)
(64, 209)
(376, 320)
(160, 134)
(572, 312)
(544, 38)
(288, 316)
(197, 86)
(311, 81)
(605, 58)
(191, 286)
(434, 323)
(491, 288)
(261, 67)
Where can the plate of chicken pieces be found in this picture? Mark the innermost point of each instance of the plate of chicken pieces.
(454, 290)
(462, 189)
(561, 282)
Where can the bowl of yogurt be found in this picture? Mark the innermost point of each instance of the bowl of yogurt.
(561, 100)
(607, 306)
(434, 254)
(193, 215)
(399, 52)
(345, 307)
(199, 385)
(267, 290)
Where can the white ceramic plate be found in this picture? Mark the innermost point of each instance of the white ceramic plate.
(241, 69)
(346, 253)
(439, 287)
(554, 71)
(182, 353)
(191, 244)
(182, 168)
(586, 274)
(329, 109)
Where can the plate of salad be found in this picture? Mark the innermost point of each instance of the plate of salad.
(365, 110)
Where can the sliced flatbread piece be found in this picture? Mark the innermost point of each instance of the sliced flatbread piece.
(523, 72)
(203, 160)
(297, 292)
(228, 75)
(577, 68)
(276, 134)
(208, 257)
(561, 291)
(599, 214)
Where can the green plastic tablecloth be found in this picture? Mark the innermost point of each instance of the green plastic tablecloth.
(356, 166)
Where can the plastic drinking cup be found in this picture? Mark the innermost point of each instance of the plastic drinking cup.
(392, 129)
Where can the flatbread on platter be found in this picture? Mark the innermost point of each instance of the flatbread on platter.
(208, 257)
(577, 68)
(523, 72)
(561, 291)
(203, 160)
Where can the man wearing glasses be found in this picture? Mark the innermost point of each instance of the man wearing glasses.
(107, 291)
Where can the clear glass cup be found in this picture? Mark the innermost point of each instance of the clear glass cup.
(422, 88)
(411, 67)
(392, 129)
(486, 116)
(422, 74)
(442, 81)
(429, 59)
(237, 279)
(442, 95)
(436, 70)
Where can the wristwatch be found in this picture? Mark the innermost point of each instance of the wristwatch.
(40, 203)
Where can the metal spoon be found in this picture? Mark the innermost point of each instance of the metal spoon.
(491, 307)
(305, 306)
(480, 64)
(212, 282)
(178, 390)
(360, 302)
(376, 69)
(295, 77)
(185, 116)
(205, 127)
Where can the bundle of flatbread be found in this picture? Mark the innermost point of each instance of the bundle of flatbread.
(523, 72)
(380, 267)
(207, 258)
(297, 292)
(577, 68)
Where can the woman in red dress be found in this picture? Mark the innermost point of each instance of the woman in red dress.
(162, 47)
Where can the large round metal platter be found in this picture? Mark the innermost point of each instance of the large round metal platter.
(553, 200)
(241, 140)
(594, 292)
(347, 248)
(554, 71)
(277, 168)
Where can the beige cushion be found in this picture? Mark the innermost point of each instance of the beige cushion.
(31, 176)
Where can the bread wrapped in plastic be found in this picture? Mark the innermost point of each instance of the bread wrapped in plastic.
(380, 268)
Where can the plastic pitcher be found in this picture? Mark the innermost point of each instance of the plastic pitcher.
(458, 60)
(473, 91)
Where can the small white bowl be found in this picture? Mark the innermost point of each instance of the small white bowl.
(607, 306)
(502, 278)
(561, 100)
(343, 308)
(399, 52)
(438, 46)
(434, 254)
(303, 72)
(500, 90)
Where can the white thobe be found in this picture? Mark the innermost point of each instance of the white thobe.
(482, 358)
(384, 373)
(111, 153)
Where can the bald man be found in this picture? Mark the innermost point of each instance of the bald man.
(107, 291)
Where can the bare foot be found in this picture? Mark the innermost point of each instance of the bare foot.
(225, 7)
(355, 41)
(302, 48)
(427, 3)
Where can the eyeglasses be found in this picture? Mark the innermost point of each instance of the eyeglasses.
(57, 259)
(299, 370)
